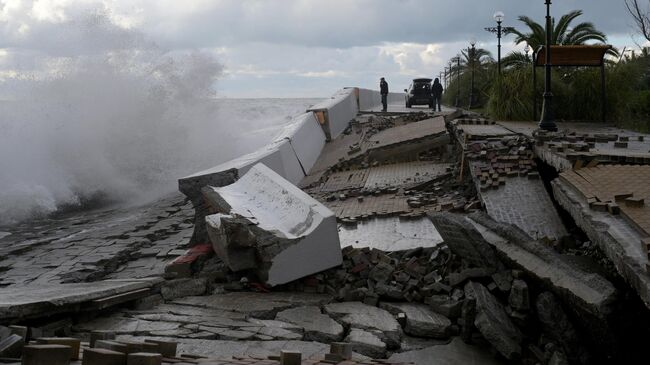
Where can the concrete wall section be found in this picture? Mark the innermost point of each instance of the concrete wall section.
(278, 156)
(339, 110)
(306, 138)
(371, 99)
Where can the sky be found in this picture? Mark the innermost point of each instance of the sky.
(275, 48)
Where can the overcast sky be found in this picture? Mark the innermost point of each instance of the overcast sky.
(278, 48)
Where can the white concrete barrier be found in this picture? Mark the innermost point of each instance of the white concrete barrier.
(306, 138)
(371, 99)
(336, 113)
(278, 156)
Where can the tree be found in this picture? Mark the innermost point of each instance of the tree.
(641, 16)
(476, 59)
(516, 59)
(562, 33)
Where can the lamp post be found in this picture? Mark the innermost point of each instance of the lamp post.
(499, 30)
(457, 59)
(547, 121)
(470, 53)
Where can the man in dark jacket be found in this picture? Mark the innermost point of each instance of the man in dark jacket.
(383, 90)
(436, 90)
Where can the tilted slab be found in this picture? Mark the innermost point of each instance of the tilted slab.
(31, 301)
(268, 225)
(618, 239)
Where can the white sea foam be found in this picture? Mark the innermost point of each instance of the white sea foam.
(121, 123)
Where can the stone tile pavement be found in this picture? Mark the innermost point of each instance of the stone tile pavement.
(114, 243)
(526, 204)
(628, 186)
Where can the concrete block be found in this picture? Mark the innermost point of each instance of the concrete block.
(166, 348)
(46, 355)
(144, 358)
(73, 343)
(290, 357)
(273, 227)
(103, 357)
(342, 349)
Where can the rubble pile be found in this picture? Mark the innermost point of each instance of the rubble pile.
(492, 162)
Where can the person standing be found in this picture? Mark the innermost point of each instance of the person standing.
(383, 90)
(436, 91)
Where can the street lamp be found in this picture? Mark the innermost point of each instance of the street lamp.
(471, 53)
(499, 30)
(548, 119)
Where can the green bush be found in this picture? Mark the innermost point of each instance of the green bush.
(577, 94)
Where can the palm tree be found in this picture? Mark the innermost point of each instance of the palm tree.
(516, 59)
(477, 59)
(562, 34)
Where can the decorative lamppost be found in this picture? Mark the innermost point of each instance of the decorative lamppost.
(471, 54)
(548, 118)
(499, 30)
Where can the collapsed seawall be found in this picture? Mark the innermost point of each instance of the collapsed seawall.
(292, 153)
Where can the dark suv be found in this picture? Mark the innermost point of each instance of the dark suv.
(419, 93)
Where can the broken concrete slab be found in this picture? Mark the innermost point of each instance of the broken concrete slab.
(290, 234)
(11, 346)
(456, 352)
(258, 305)
(20, 302)
(464, 241)
(318, 327)
(367, 343)
(557, 326)
(421, 321)
(363, 316)
(493, 322)
(589, 294)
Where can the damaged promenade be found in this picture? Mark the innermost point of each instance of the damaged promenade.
(355, 237)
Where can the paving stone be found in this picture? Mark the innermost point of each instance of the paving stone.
(367, 343)
(73, 343)
(46, 355)
(318, 327)
(143, 358)
(421, 321)
(94, 356)
(166, 348)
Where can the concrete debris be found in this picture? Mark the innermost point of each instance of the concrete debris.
(11, 346)
(317, 326)
(493, 322)
(464, 241)
(456, 352)
(519, 299)
(366, 317)
(367, 342)
(172, 289)
(266, 224)
(421, 321)
(557, 326)
(46, 355)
